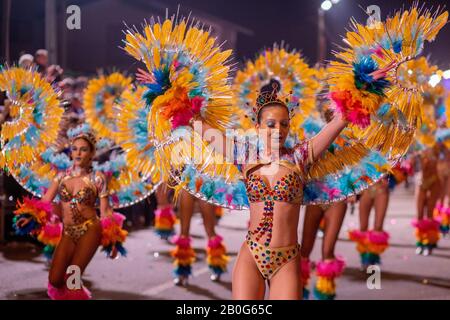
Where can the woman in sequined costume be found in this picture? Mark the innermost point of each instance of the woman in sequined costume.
(78, 189)
(274, 189)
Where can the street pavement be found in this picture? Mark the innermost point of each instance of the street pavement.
(146, 273)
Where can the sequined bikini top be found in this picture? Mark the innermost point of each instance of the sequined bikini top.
(287, 189)
(86, 195)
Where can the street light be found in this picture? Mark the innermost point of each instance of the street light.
(326, 5)
(322, 40)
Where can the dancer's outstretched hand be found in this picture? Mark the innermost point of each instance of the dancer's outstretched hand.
(22, 222)
(381, 73)
(143, 76)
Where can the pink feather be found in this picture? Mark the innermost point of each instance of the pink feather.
(378, 237)
(330, 269)
(215, 242)
(183, 242)
(426, 224)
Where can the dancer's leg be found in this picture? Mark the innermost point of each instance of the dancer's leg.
(248, 284)
(334, 217)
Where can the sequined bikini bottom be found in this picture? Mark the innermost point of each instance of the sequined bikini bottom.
(270, 260)
(76, 231)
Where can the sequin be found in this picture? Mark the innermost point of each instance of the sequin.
(269, 266)
(286, 189)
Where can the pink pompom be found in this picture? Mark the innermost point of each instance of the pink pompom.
(53, 230)
(166, 212)
(40, 205)
(197, 104)
(358, 118)
(57, 293)
(181, 241)
(79, 294)
(447, 211)
(215, 242)
(357, 235)
(330, 269)
(426, 224)
(115, 219)
(351, 109)
(378, 237)
(67, 294)
(118, 218)
(181, 118)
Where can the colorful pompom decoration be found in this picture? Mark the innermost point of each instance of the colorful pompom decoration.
(442, 215)
(377, 243)
(165, 220)
(216, 255)
(184, 256)
(327, 271)
(68, 294)
(350, 108)
(36, 209)
(370, 245)
(427, 233)
(113, 236)
(50, 235)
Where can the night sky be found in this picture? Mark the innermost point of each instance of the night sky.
(293, 21)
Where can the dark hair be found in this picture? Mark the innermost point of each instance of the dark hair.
(269, 90)
(274, 86)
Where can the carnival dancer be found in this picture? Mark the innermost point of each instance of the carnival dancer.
(191, 85)
(79, 188)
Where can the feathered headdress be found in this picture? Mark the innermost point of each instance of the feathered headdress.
(277, 75)
(83, 131)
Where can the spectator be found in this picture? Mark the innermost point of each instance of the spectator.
(80, 84)
(41, 59)
(26, 61)
(54, 73)
(4, 111)
(67, 87)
